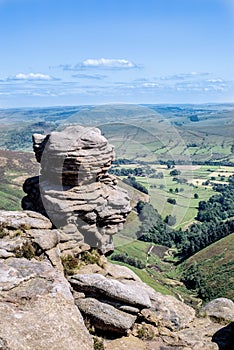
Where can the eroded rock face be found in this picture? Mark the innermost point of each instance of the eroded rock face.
(220, 308)
(37, 309)
(74, 189)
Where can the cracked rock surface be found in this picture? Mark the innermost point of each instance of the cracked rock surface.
(37, 310)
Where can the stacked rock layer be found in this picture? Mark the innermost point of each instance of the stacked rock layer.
(74, 189)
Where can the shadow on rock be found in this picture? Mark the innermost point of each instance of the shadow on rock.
(224, 337)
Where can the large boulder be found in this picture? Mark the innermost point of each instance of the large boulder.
(177, 314)
(37, 310)
(74, 189)
(102, 287)
(220, 308)
(105, 317)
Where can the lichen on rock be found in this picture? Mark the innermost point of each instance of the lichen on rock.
(74, 189)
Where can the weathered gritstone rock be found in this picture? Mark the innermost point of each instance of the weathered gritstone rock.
(177, 314)
(23, 219)
(199, 334)
(74, 189)
(104, 316)
(111, 289)
(220, 308)
(125, 343)
(37, 309)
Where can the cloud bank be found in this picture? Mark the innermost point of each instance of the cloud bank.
(31, 77)
(102, 63)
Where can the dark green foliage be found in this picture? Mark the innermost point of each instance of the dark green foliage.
(132, 182)
(220, 206)
(171, 201)
(175, 172)
(211, 278)
(199, 236)
(214, 223)
(138, 171)
(125, 258)
(153, 228)
(196, 196)
(22, 137)
(170, 220)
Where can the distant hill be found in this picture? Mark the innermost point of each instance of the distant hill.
(199, 133)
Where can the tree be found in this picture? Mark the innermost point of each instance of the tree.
(175, 172)
(196, 196)
(171, 201)
(170, 220)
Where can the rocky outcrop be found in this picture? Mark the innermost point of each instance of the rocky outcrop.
(220, 308)
(104, 316)
(74, 189)
(37, 309)
(102, 287)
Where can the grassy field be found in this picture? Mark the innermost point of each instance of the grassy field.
(147, 133)
(159, 274)
(139, 250)
(187, 195)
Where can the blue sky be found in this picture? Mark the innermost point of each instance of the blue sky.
(71, 52)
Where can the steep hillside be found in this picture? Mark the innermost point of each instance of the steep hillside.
(15, 167)
(212, 269)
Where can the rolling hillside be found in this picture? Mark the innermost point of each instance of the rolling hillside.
(215, 265)
(148, 133)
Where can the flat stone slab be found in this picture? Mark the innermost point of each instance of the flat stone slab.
(110, 288)
(104, 316)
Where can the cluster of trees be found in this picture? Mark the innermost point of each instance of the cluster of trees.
(220, 206)
(125, 258)
(138, 171)
(201, 235)
(153, 228)
(175, 172)
(215, 216)
(131, 180)
(22, 138)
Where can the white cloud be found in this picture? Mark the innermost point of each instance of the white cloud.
(102, 63)
(106, 62)
(89, 76)
(183, 76)
(218, 81)
(31, 77)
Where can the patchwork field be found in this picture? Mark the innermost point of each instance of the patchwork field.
(192, 189)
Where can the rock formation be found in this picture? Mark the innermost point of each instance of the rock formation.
(40, 307)
(74, 189)
(54, 287)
